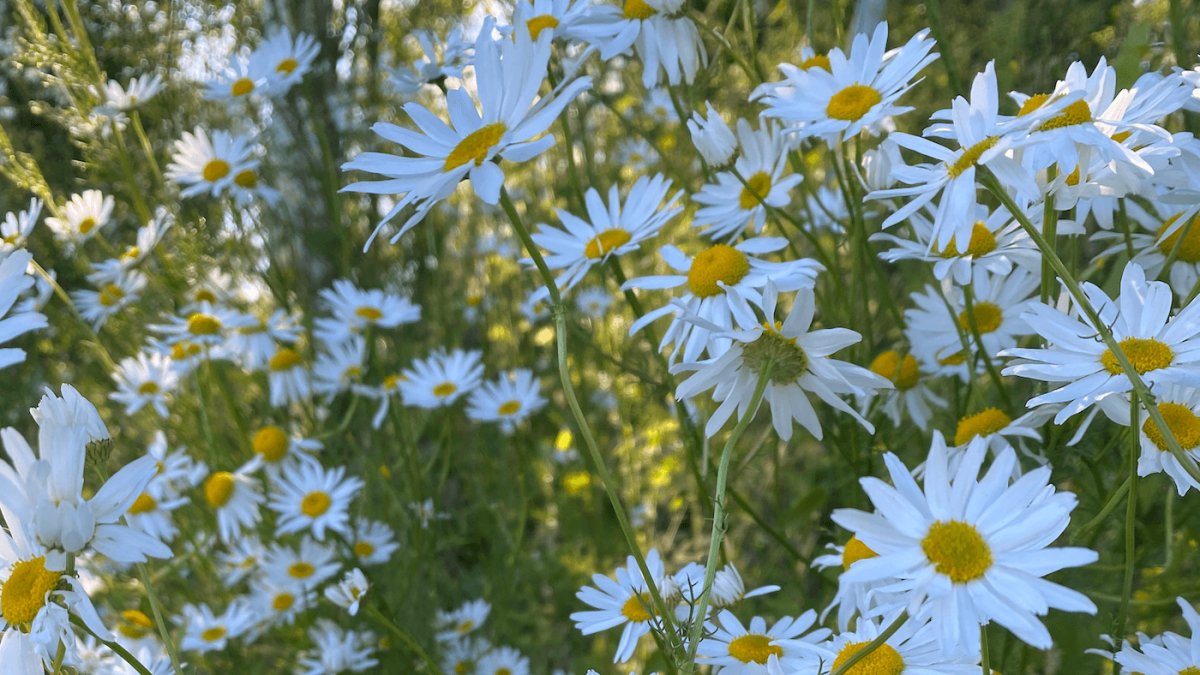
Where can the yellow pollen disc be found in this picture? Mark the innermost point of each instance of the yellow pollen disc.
(353, 372)
(1190, 670)
(638, 9)
(283, 602)
(509, 408)
(1145, 354)
(203, 324)
(851, 103)
(1189, 250)
(854, 551)
(271, 442)
(970, 156)
(110, 295)
(462, 667)
(903, 372)
(983, 423)
(213, 634)
(756, 189)
(475, 146)
(503, 671)
(954, 359)
(1122, 136)
(143, 504)
(957, 550)
(636, 608)
(391, 381)
(218, 489)
(885, 660)
(287, 66)
(369, 313)
(720, 263)
(445, 389)
(788, 360)
(606, 242)
(815, 61)
(86, 225)
(1032, 103)
(242, 86)
(1183, 423)
(131, 253)
(215, 170)
(988, 317)
(1076, 113)
(134, 624)
(540, 23)
(23, 594)
(363, 549)
(284, 359)
(753, 649)
(301, 570)
(465, 626)
(1073, 177)
(204, 295)
(246, 179)
(148, 388)
(315, 503)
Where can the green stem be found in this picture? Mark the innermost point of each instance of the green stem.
(117, 649)
(1130, 520)
(875, 644)
(985, 657)
(159, 619)
(404, 637)
(1102, 516)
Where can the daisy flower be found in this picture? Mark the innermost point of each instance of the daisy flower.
(284, 59)
(463, 621)
(910, 396)
(460, 656)
(245, 555)
(339, 366)
(207, 632)
(1000, 432)
(174, 469)
(1162, 349)
(503, 661)
(96, 307)
(856, 92)
(593, 302)
(336, 650)
(151, 512)
(207, 326)
(507, 400)
(762, 179)
(237, 80)
(666, 42)
(308, 497)
(969, 551)
(83, 216)
(148, 237)
(1166, 654)
(1167, 229)
(734, 649)
(1180, 408)
(624, 602)
(712, 137)
(17, 225)
(144, 380)
(13, 323)
(279, 449)
(348, 592)
(799, 362)
(139, 91)
(277, 604)
(728, 588)
(372, 542)
(355, 310)
(912, 650)
(288, 378)
(721, 284)
(258, 337)
(440, 59)
(383, 392)
(610, 230)
(201, 164)
(508, 74)
(855, 598)
(235, 497)
(309, 566)
(560, 17)
(441, 378)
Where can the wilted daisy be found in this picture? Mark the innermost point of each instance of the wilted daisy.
(308, 497)
(201, 164)
(463, 621)
(144, 380)
(510, 126)
(856, 92)
(336, 650)
(624, 602)
(712, 137)
(13, 323)
(740, 200)
(96, 307)
(610, 230)
(355, 310)
(348, 592)
(969, 551)
(82, 218)
(727, 588)
(17, 225)
(735, 649)
(206, 631)
(507, 400)
(1161, 349)
(1166, 654)
(799, 363)
(235, 497)
(284, 60)
(372, 542)
(441, 378)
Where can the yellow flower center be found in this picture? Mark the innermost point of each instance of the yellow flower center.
(213, 634)
(246, 179)
(1189, 250)
(1032, 103)
(540, 23)
(988, 317)
(369, 313)
(131, 253)
(885, 660)
(983, 423)
(1145, 355)
(503, 671)
(902, 371)
(636, 608)
(638, 9)
(315, 503)
(851, 103)
(606, 242)
(753, 649)
(445, 389)
(215, 170)
(788, 361)
(722, 263)
(184, 350)
(957, 550)
(364, 549)
(284, 359)
(271, 442)
(283, 602)
(756, 189)
(982, 242)
(242, 86)
(148, 388)
(203, 324)
(1190, 670)
(143, 504)
(465, 626)
(135, 624)
(301, 570)
(218, 489)
(86, 225)
(509, 408)
(110, 295)
(957, 358)
(23, 594)
(1183, 423)
(287, 66)
(1075, 113)
(391, 381)
(970, 156)
(475, 146)
(204, 295)
(854, 551)
(815, 61)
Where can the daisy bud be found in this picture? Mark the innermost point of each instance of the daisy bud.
(712, 137)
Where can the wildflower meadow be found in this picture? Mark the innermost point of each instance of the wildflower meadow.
(511, 337)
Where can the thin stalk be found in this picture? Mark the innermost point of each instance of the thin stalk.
(720, 515)
(404, 637)
(144, 140)
(117, 649)
(985, 657)
(1130, 520)
(159, 619)
(875, 644)
(1102, 516)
